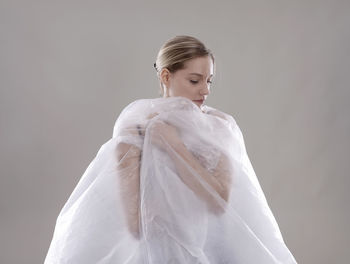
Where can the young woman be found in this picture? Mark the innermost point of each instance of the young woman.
(174, 184)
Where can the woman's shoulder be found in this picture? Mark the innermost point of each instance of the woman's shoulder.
(136, 107)
(138, 103)
(219, 113)
(132, 114)
(143, 103)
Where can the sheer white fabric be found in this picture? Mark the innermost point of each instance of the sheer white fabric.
(146, 198)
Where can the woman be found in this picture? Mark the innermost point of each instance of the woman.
(174, 184)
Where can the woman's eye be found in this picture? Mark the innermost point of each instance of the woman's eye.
(192, 81)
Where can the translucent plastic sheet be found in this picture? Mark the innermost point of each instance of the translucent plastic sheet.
(173, 185)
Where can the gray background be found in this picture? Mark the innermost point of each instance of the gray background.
(69, 67)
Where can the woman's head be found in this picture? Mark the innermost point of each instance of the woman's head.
(185, 67)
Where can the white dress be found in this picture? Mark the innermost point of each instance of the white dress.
(145, 203)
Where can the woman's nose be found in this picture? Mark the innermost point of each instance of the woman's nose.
(206, 89)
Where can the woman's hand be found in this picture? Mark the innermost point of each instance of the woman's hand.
(152, 115)
(164, 135)
(161, 133)
(141, 129)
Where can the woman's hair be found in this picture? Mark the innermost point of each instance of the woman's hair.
(176, 51)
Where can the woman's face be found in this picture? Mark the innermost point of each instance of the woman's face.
(192, 82)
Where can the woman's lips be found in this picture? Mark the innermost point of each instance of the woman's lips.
(198, 101)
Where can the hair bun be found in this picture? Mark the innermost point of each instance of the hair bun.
(155, 66)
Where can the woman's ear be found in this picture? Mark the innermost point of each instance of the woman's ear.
(165, 77)
(165, 81)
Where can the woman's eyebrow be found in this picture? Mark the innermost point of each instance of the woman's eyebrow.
(194, 73)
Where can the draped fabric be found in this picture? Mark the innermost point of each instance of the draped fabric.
(174, 184)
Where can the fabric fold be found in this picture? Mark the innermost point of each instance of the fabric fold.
(174, 184)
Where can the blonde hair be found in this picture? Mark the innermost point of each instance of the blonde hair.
(176, 51)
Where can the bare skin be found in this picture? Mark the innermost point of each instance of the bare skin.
(128, 164)
(192, 82)
(166, 137)
(195, 87)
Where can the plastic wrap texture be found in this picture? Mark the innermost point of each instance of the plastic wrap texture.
(174, 184)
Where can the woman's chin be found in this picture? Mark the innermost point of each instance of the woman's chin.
(197, 103)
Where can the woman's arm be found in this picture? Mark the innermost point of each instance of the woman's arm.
(166, 137)
(128, 167)
(220, 180)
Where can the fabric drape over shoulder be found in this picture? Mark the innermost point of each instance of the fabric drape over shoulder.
(174, 184)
